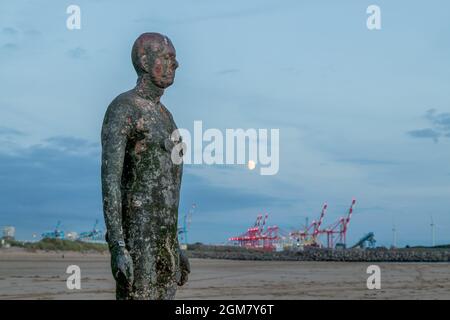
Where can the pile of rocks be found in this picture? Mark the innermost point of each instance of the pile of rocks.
(316, 254)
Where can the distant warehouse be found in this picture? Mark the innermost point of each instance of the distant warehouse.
(9, 233)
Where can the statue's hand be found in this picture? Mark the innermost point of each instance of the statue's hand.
(185, 269)
(122, 265)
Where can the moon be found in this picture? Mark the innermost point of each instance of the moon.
(251, 164)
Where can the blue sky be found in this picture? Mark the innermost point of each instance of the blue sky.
(361, 113)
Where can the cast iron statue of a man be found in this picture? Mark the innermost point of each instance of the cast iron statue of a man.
(140, 182)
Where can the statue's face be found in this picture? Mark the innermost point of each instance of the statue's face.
(164, 65)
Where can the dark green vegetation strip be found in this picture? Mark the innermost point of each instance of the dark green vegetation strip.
(60, 245)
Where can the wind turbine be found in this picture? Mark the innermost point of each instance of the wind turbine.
(433, 232)
(394, 237)
(187, 222)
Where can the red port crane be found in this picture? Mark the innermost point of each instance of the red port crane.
(337, 232)
(258, 236)
(310, 235)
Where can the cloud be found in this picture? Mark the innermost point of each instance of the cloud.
(59, 179)
(9, 138)
(32, 33)
(6, 131)
(9, 46)
(425, 133)
(77, 53)
(227, 71)
(440, 126)
(16, 38)
(369, 162)
(10, 31)
(73, 145)
(215, 198)
(43, 183)
(440, 120)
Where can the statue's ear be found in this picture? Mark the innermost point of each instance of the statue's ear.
(143, 61)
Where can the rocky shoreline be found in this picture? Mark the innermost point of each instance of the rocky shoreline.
(316, 254)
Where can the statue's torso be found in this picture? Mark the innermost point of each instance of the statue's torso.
(150, 187)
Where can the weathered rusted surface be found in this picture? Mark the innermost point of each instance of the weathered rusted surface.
(141, 184)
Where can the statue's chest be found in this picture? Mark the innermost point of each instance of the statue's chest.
(153, 127)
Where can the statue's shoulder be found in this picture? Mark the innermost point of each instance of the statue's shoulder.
(120, 113)
(124, 100)
(122, 105)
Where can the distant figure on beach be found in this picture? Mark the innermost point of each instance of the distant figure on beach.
(140, 183)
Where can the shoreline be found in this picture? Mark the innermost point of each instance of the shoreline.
(42, 275)
(409, 255)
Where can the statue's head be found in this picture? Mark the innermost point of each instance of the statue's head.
(154, 54)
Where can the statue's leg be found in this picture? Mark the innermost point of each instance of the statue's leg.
(123, 291)
(168, 275)
(167, 271)
(170, 292)
(155, 256)
(144, 287)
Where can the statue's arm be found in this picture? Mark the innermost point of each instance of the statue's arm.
(115, 132)
(185, 267)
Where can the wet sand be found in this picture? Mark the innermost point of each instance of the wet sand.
(26, 275)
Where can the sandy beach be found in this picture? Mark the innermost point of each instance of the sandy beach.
(25, 275)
